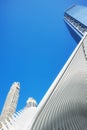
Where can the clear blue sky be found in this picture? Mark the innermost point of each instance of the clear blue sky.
(34, 45)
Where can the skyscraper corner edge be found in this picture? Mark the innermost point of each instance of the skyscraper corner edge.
(74, 18)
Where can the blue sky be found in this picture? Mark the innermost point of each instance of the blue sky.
(34, 45)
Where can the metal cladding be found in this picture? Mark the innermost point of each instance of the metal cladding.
(64, 107)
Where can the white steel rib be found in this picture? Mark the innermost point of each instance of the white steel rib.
(64, 107)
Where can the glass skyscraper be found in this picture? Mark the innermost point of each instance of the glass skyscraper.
(76, 19)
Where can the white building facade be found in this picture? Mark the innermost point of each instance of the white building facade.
(11, 102)
(64, 107)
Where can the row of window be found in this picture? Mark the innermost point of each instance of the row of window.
(79, 26)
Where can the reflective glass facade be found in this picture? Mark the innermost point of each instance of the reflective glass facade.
(76, 18)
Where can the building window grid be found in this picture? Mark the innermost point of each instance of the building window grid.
(82, 29)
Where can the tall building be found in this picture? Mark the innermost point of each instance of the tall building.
(11, 102)
(76, 20)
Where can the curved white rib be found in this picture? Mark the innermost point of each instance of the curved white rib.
(64, 107)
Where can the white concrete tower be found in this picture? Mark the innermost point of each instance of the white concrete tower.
(11, 102)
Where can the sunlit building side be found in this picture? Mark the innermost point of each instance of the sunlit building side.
(11, 102)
